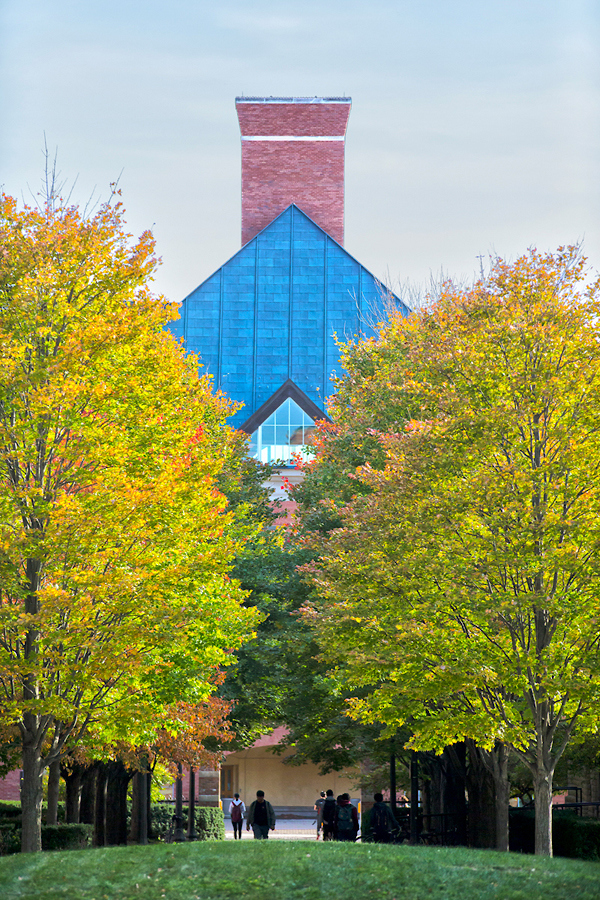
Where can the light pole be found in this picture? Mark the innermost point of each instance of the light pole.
(179, 834)
(192, 834)
(414, 798)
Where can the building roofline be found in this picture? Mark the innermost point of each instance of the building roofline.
(327, 235)
(243, 99)
(288, 389)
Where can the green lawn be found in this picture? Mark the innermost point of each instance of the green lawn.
(282, 870)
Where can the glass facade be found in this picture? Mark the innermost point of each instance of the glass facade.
(285, 434)
(276, 310)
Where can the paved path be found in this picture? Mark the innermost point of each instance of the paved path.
(286, 830)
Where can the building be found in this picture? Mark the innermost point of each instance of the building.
(267, 322)
(266, 326)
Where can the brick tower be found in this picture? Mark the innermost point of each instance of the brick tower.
(293, 152)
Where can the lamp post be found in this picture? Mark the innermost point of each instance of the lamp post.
(393, 778)
(143, 798)
(192, 834)
(179, 834)
(414, 798)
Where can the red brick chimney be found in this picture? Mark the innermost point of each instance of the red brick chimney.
(293, 152)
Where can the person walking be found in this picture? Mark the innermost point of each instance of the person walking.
(318, 807)
(382, 823)
(346, 819)
(328, 816)
(237, 808)
(261, 816)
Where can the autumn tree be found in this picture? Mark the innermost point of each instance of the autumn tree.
(463, 581)
(114, 539)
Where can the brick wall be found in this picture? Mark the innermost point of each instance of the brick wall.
(10, 787)
(307, 168)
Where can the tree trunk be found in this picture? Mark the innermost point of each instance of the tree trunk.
(116, 804)
(87, 803)
(393, 788)
(100, 807)
(481, 816)
(72, 779)
(454, 798)
(32, 794)
(499, 759)
(53, 788)
(542, 787)
(149, 802)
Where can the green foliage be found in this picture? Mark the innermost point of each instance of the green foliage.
(461, 592)
(10, 837)
(573, 836)
(66, 836)
(54, 837)
(210, 824)
(10, 809)
(281, 870)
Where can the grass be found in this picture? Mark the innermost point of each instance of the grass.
(282, 870)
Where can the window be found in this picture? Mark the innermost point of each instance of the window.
(287, 432)
(228, 781)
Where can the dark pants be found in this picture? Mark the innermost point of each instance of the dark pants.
(346, 836)
(237, 829)
(328, 832)
(385, 838)
(261, 832)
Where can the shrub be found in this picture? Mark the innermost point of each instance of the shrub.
(66, 837)
(572, 835)
(210, 824)
(160, 818)
(576, 837)
(10, 809)
(10, 838)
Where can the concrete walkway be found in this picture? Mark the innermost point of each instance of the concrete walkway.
(285, 830)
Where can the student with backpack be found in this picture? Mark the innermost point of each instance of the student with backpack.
(346, 819)
(382, 823)
(328, 816)
(318, 807)
(237, 808)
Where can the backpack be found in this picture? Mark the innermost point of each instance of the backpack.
(344, 818)
(236, 812)
(328, 811)
(379, 820)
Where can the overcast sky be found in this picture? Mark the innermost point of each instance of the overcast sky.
(474, 126)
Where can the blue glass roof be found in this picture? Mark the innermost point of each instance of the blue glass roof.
(273, 311)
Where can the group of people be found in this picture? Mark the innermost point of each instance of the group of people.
(260, 817)
(337, 819)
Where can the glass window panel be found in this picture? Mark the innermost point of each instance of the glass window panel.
(297, 437)
(286, 433)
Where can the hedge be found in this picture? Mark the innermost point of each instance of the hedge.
(573, 836)
(66, 837)
(210, 824)
(54, 837)
(10, 838)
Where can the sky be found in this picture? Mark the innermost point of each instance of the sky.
(475, 124)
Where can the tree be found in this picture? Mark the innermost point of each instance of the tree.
(114, 539)
(465, 580)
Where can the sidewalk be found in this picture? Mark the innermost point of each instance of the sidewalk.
(285, 830)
